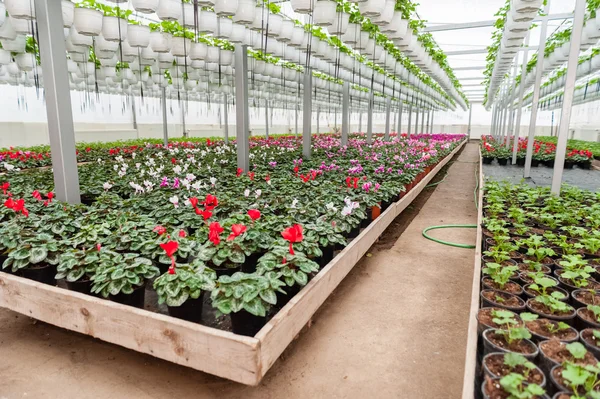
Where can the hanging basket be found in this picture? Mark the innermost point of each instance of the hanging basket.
(238, 33)
(14, 46)
(198, 51)
(20, 9)
(207, 22)
(180, 46)
(225, 28)
(148, 54)
(340, 24)
(5, 57)
(187, 16)
(21, 26)
(145, 6)
(101, 44)
(274, 25)
(68, 13)
(138, 35)
(324, 13)
(160, 42)
(526, 6)
(372, 8)
(105, 54)
(244, 14)
(226, 8)
(386, 16)
(87, 21)
(114, 29)
(301, 6)
(169, 10)
(25, 61)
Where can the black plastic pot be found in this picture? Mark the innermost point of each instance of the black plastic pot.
(486, 396)
(355, 231)
(487, 371)
(487, 160)
(486, 303)
(535, 163)
(576, 303)
(249, 265)
(43, 274)
(225, 271)
(190, 310)
(290, 292)
(244, 323)
(537, 338)
(569, 164)
(490, 347)
(562, 291)
(569, 319)
(549, 163)
(82, 286)
(135, 299)
(584, 165)
(555, 384)
(521, 161)
(502, 161)
(582, 323)
(595, 350)
(88, 199)
(327, 255)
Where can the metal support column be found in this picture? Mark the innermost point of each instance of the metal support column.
(58, 100)
(296, 110)
(536, 92)
(370, 119)
(183, 119)
(318, 117)
(470, 116)
(360, 121)
(266, 119)
(133, 113)
(345, 110)
(387, 119)
(307, 113)
(432, 115)
(417, 119)
(242, 112)
(513, 95)
(226, 119)
(494, 117)
(400, 109)
(410, 106)
(423, 122)
(571, 77)
(520, 104)
(427, 128)
(164, 112)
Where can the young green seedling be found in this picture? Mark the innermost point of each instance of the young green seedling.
(498, 273)
(513, 360)
(514, 385)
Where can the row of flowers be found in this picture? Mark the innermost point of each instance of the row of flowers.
(543, 152)
(187, 217)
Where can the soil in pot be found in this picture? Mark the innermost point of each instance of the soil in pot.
(545, 311)
(493, 365)
(510, 287)
(489, 259)
(586, 319)
(485, 319)
(244, 323)
(525, 268)
(532, 294)
(494, 342)
(135, 299)
(42, 274)
(190, 310)
(544, 329)
(569, 286)
(561, 384)
(548, 261)
(494, 298)
(491, 389)
(554, 352)
(582, 298)
(590, 341)
(82, 286)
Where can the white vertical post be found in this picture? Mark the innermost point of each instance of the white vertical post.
(133, 113)
(164, 112)
(242, 112)
(226, 119)
(536, 91)
(318, 119)
(432, 115)
(470, 116)
(423, 121)
(399, 130)
(417, 119)
(494, 117)
(563, 131)
(307, 113)
(266, 118)
(345, 110)
(182, 104)
(370, 119)
(387, 119)
(360, 121)
(410, 106)
(513, 95)
(520, 104)
(427, 128)
(58, 100)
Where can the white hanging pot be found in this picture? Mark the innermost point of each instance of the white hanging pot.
(371, 8)
(13, 69)
(226, 8)
(25, 61)
(138, 35)
(160, 42)
(78, 39)
(6, 30)
(226, 57)
(87, 21)
(145, 6)
(180, 46)
(187, 15)
(20, 9)
(21, 26)
(297, 37)
(352, 34)
(526, 6)
(148, 61)
(169, 10)
(5, 57)
(324, 13)
(68, 12)
(225, 28)
(104, 45)
(110, 61)
(386, 15)
(287, 30)
(238, 32)
(212, 54)
(80, 57)
(207, 22)
(14, 46)
(198, 51)
(148, 54)
(340, 24)
(105, 54)
(109, 72)
(114, 29)
(87, 68)
(72, 66)
(166, 58)
(274, 25)
(244, 14)
(128, 51)
(301, 6)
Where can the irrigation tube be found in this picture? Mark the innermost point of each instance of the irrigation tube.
(454, 226)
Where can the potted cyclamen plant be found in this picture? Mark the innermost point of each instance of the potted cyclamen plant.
(224, 256)
(77, 268)
(182, 289)
(35, 257)
(150, 246)
(247, 298)
(122, 277)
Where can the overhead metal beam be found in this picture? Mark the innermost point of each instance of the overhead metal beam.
(472, 77)
(482, 51)
(471, 68)
(485, 24)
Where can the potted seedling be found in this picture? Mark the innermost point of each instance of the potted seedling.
(499, 256)
(511, 386)
(182, 289)
(496, 318)
(544, 285)
(554, 352)
(585, 297)
(295, 270)
(581, 380)
(591, 339)
(498, 278)
(247, 298)
(589, 317)
(543, 329)
(512, 339)
(552, 307)
(77, 267)
(497, 365)
(122, 277)
(591, 246)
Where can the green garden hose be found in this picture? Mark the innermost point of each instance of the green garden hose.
(454, 226)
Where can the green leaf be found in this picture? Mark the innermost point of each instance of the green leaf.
(237, 257)
(75, 274)
(22, 253)
(269, 297)
(255, 307)
(38, 254)
(300, 277)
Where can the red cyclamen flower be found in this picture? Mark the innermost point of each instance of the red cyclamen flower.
(236, 230)
(160, 230)
(293, 234)
(254, 214)
(36, 194)
(5, 187)
(214, 230)
(170, 248)
(182, 234)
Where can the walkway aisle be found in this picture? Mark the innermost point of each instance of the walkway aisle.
(395, 328)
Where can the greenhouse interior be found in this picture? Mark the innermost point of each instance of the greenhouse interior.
(300, 198)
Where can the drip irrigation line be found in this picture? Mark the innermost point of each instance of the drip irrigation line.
(454, 226)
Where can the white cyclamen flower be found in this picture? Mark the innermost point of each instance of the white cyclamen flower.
(258, 193)
(294, 203)
(246, 192)
(213, 181)
(107, 186)
(174, 200)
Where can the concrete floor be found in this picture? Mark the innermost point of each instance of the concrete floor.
(395, 328)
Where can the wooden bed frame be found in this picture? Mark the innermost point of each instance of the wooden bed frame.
(235, 357)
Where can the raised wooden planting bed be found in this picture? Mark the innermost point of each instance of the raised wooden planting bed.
(238, 358)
